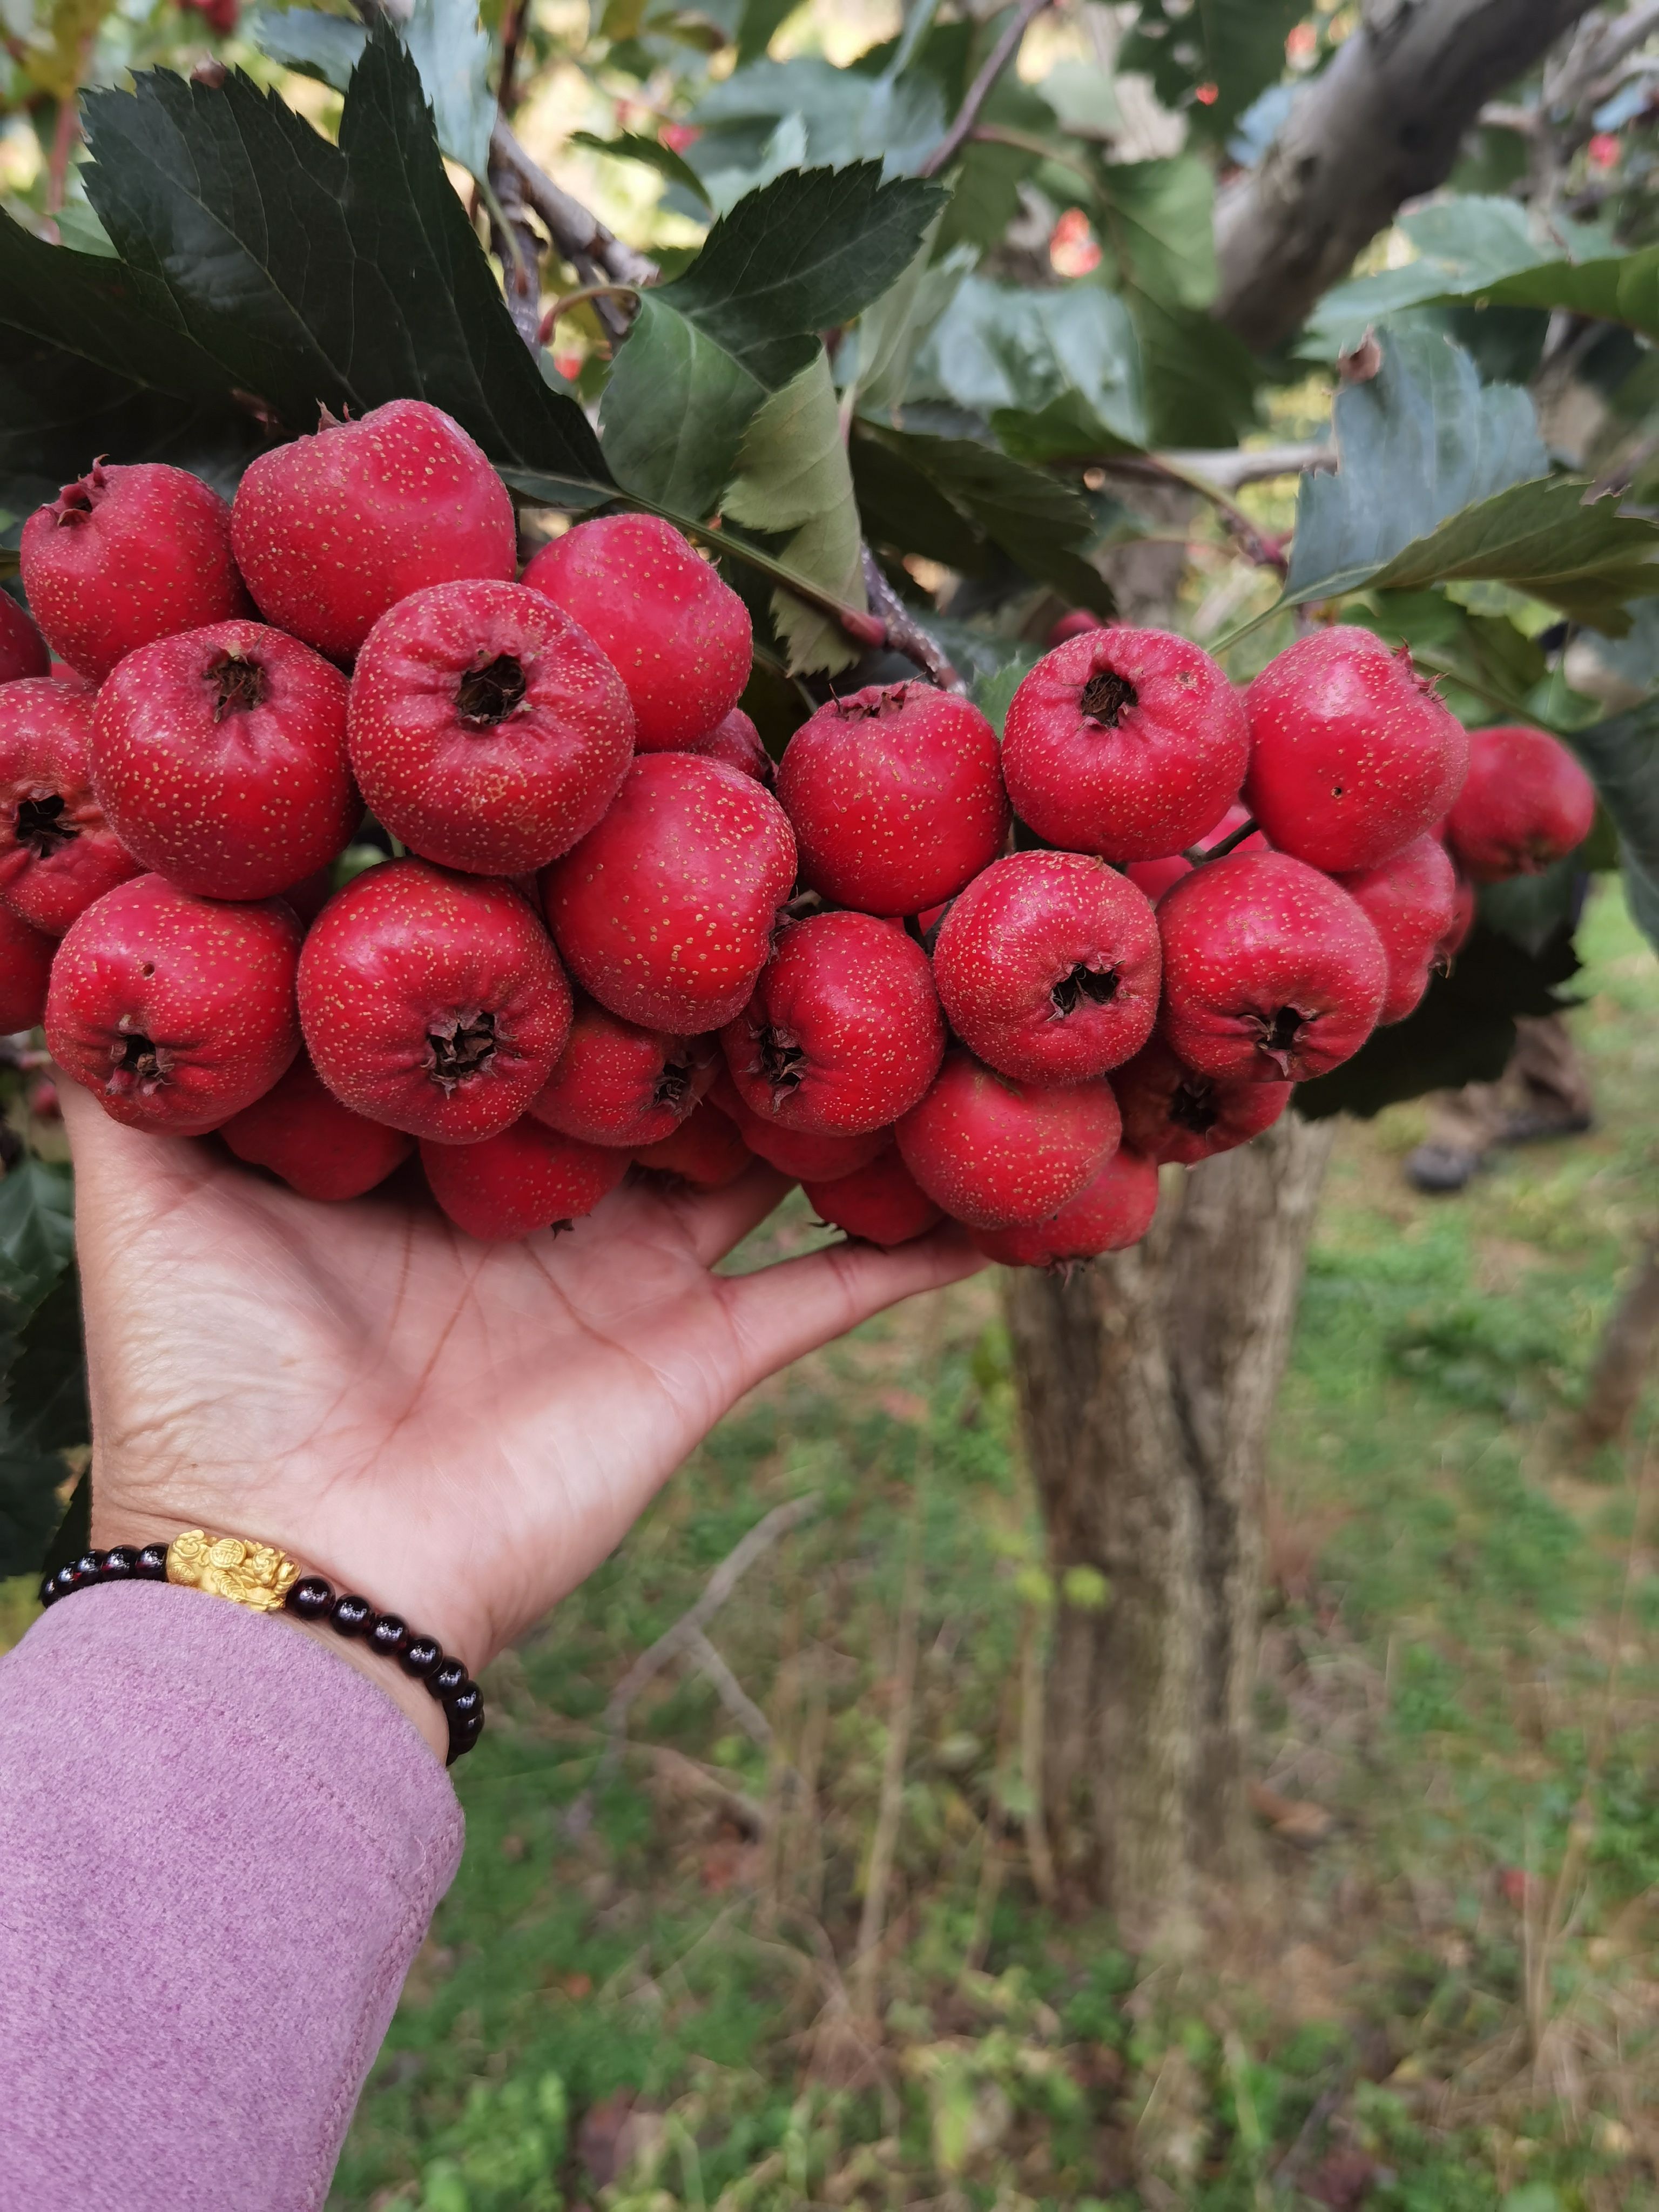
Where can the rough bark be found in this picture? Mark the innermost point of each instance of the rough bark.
(1626, 1357)
(1147, 1386)
(1379, 126)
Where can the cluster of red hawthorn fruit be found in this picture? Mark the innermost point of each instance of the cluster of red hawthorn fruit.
(617, 936)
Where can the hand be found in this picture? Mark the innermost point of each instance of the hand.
(459, 1432)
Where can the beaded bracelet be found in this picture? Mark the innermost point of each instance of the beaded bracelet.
(310, 1598)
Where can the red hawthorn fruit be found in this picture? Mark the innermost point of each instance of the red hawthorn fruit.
(43, 1102)
(1126, 743)
(616, 1084)
(735, 741)
(881, 1204)
(996, 1153)
(1113, 1211)
(808, 1155)
(1154, 877)
(175, 1012)
(126, 555)
(486, 730)
(1411, 901)
(665, 911)
(25, 966)
(524, 1179)
(58, 853)
(1270, 970)
(1048, 965)
(219, 756)
(332, 529)
(843, 1033)
(678, 635)
(431, 1002)
(1462, 921)
(1526, 804)
(705, 1151)
(22, 649)
(896, 797)
(301, 1133)
(1172, 1113)
(1351, 754)
(1077, 622)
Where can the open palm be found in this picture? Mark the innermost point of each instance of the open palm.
(460, 1430)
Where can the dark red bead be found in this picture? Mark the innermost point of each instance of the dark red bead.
(466, 1701)
(66, 1579)
(153, 1563)
(48, 1589)
(445, 1681)
(311, 1597)
(388, 1636)
(90, 1567)
(420, 1656)
(351, 1615)
(120, 1562)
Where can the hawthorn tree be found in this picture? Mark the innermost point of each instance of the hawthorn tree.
(1004, 316)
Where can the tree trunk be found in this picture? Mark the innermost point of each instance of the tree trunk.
(1147, 1386)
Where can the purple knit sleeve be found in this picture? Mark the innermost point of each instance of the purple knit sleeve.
(220, 1849)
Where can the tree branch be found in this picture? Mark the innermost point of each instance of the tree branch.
(1381, 125)
(983, 87)
(578, 237)
(904, 633)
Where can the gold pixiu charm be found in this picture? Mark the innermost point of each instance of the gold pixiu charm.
(256, 1575)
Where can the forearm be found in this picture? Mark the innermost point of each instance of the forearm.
(220, 1849)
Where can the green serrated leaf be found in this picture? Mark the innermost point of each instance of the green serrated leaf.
(993, 694)
(1540, 537)
(1420, 439)
(1005, 348)
(1235, 48)
(1159, 219)
(1622, 757)
(445, 40)
(29, 1510)
(631, 146)
(346, 275)
(880, 353)
(37, 1234)
(45, 1400)
(1200, 381)
(845, 117)
(792, 475)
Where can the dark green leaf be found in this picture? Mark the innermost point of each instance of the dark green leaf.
(448, 46)
(74, 1534)
(630, 146)
(37, 1235)
(1622, 756)
(844, 116)
(45, 1399)
(309, 272)
(1233, 47)
(1418, 441)
(29, 1510)
(1158, 218)
(1464, 1031)
(760, 19)
(1004, 347)
(1541, 538)
(1200, 381)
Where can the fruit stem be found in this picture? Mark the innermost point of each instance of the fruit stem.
(1198, 855)
(567, 300)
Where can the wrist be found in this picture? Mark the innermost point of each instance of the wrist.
(409, 1695)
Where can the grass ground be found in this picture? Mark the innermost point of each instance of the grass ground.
(1441, 1992)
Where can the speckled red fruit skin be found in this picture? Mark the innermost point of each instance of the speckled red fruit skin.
(881, 1204)
(1352, 755)
(525, 1179)
(22, 649)
(25, 966)
(617, 1083)
(58, 853)
(705, 1151)
(995, 1152)
(1464, 908)
(219, 756)
(735, 741)
(844, 1031)
(1154, 877)
(1270, 970)
(431, 1002)
(809, 1155)
(1411, 901)
(1126, 743)
(319, 1148)
(665, 911)
(678, 635)
(126, 555)
(494, 773)
(332, 530)
(175, 1012)
(1113, 1211)
(1048, 965)
(1526, 804)
(1077, 622)
(896, 797)
(1172, 1113)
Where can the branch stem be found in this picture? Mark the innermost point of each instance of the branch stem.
(983, 87)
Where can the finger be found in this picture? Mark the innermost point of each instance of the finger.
(782, 1312)
(717, 1221)
(114, 1164)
